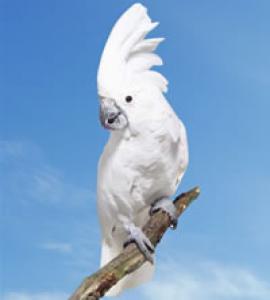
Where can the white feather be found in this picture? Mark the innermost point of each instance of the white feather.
(147, 45)
(127, 54)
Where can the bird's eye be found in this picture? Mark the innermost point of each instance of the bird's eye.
(128, 99)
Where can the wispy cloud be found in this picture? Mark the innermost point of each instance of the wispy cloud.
(35, 296)
(10, 149)
(30, 182)
(57, 247)
(48, 185)
(206, 281)
(28, 176)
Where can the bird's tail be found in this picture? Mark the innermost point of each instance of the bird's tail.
(142, 275)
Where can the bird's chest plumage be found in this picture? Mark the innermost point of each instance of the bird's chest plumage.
(136, 171)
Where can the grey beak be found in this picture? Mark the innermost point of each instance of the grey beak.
(109, 113)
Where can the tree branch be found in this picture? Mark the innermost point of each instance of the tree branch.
(95, 286)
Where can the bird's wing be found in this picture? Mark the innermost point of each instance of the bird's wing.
(128, 56)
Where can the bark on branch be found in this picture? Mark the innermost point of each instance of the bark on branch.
(95, 286)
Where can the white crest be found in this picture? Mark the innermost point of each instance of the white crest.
(128, 57)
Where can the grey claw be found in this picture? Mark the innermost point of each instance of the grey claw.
(174, 223)
(167, 206)
(137, 236)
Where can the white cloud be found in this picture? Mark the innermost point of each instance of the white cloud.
(10, 149)
(29, 181)
(57, 247)
(35, 296)
(46, 184)
(206, 281)
(29, 177)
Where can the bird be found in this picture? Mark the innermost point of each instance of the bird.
(146, 155)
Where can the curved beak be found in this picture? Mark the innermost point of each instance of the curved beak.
(111, 115)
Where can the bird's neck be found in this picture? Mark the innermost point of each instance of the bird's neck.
(117, 136)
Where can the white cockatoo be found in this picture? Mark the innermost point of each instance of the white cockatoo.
(147, 153)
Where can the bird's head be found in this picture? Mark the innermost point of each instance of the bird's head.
(126, 83)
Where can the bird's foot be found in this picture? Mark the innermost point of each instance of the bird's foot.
(136, 235)
(166, 205)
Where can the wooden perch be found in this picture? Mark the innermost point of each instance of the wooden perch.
(95, 286)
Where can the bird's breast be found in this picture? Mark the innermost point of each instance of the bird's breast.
(135, 172)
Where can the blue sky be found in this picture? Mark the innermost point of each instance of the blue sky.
(217, 61)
